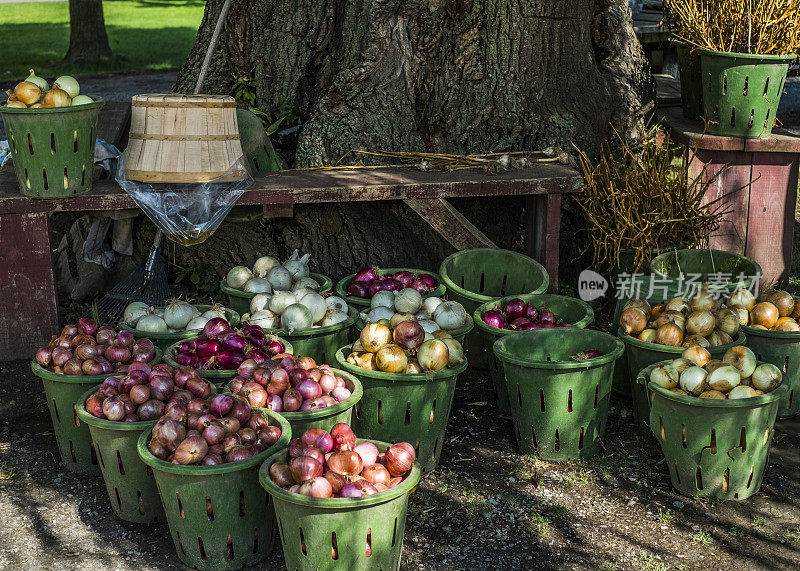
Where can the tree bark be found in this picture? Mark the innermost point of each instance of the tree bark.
(88, 41)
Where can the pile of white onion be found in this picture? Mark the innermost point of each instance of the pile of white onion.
(737, 376)
(432, 313)
(176, 317)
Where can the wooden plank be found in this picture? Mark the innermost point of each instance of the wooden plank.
(450, 223)
(270, 211)
(28, 310)
(543, 213)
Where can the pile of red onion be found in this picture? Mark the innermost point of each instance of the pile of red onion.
(285, 384)
(210, 432)
(220, 347)
(331, 465)
(86, 349)
(143, 392)
(367, 283)
(521, 316)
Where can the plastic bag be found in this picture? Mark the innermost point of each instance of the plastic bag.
(188, 213)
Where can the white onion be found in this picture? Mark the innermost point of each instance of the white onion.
(431, 303)
(212, 313)
(178, 314)
(264, 264)
(68, 84)
(159, 311)
(724, 378)
(664, 376)
(135, 311)
(297, 266)
(407, 300)
(382, 299)
(238, 276)
(279, 278)
(260, 301)
(315, 304)
(680, 364)
(151, 324)
(693, 380)
(422, 314)
(333, 316)
(306, 282)
(378, 313)
(743, 392)
(450, 315)
(265, 319)
(280, 301)
(428, 325)
(300, 293)
(336, 302)
(296, 317)
(766, 377)
(197, 323)
(743, 297)
(257, 285)
(742, 358)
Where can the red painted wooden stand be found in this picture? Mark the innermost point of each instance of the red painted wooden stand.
(28, 304)
(761, 224)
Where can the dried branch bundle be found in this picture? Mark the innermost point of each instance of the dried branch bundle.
(765, 27)
(641, 198)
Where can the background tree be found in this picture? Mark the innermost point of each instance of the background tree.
(88, 41)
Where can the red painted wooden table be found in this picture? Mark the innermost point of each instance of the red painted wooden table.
(761, 224)
(28, 303)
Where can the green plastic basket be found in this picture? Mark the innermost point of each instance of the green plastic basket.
(741, 92)
(715, 448)
(53, 148)
(63, 392)
(782, 349)
(640, 355)
(568, 309)
(341, 533)
(559, 406)
(674, 268)
(691, 80)
(129, 482)
(473, 277)
(405, 408)
(219, 378)
(327, 417)
(239, 300)
(219, 516)
(344, 283)
(164, 340)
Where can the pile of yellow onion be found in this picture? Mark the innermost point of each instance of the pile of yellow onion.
(34, 92)
(737, 376)
(774, 310)
(681, 322)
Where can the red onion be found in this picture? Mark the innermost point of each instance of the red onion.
(257, 422)
(514, 309)
(124, 338)
(309, 389)
(428, 279)
(287, 363)
(304, 468)
(493, 318)
(350, 491)
(44, 356)
(281, 474)
(421, 286)
(212, 459)
(205, 347)
(374, 288)
(233, 340)
(327, 383)
(368, 452)
(146, 369)
(87, 326)
(274, 347)
(118, 353)
(275, 403)
(376, 474)
(359, 289)
(221, 405)
(400, 458)
(319, 438)
(366, 275)
(73, 367)
(144, 355)
(295, 448)
(199, 387)
(255, 335)
(337, 481)
(214, 433)
(546, 324)
(229, 359)
(316, 488)
(531, 312)
(366, 488)
(519, 321)
(113, 407)
(547, 315)
(527, 326)
(409, 335)
(150, 410)
(405, 278)
(230, 442)
(391, 284)
(186, 359)
(215, 327)
(341, 394)
(292, 400)
(343, 437)
(297, 376)
(161, 387)
(61, 356)
(241, 411)
(191, 451)
(92, 367)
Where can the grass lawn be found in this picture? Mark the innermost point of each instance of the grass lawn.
(144, 34)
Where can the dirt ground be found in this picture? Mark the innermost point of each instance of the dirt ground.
(486, 506)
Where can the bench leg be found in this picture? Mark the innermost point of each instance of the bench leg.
(28, 306)
(542, 233)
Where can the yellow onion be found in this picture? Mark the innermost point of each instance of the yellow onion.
(742, 313)
(701, 323)
(633, 321)
(27, 92)
(713, 364)
(766, 377)
(678, 391)
(657, 310)
(442, 334)
(742, 297)
(670, 335)
(56, 98)
(678, 304)
(697, 355)
(455, 352)
(724, 378)
(648, 336)
(374, 336)
(790, 325)
(742, 392)
(728, 321)
(742, 358)
(796, 311)
(433, 355)
(413, 367)
(713, 395)
(691, 340)
(671, 316)
(704, 301)
(680, 364)
(718, 338)
(398, 318)
(391, 359)
(367, 361)
(638, 303)
(15, 103)
(693, 380)
(783, 301)
(664, 376)
(761, 327)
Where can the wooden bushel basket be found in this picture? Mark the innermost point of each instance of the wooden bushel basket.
(177, 138)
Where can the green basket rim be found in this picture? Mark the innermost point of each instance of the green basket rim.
(43, 373)
(92, 420)
(771, 396)
(741, 55)
(191, 470)
(303, 415)
(397, 377)
(406, 486)
(98, 102)
(215, 373)
(325, 282)
(502, 353)
(231, 316)
(341, 289)
(352, 316)
(479, 297)
(771, 334)
(740, 338)
(712, 251)
(526, 297)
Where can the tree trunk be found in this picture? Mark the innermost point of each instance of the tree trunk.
(88, 41)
